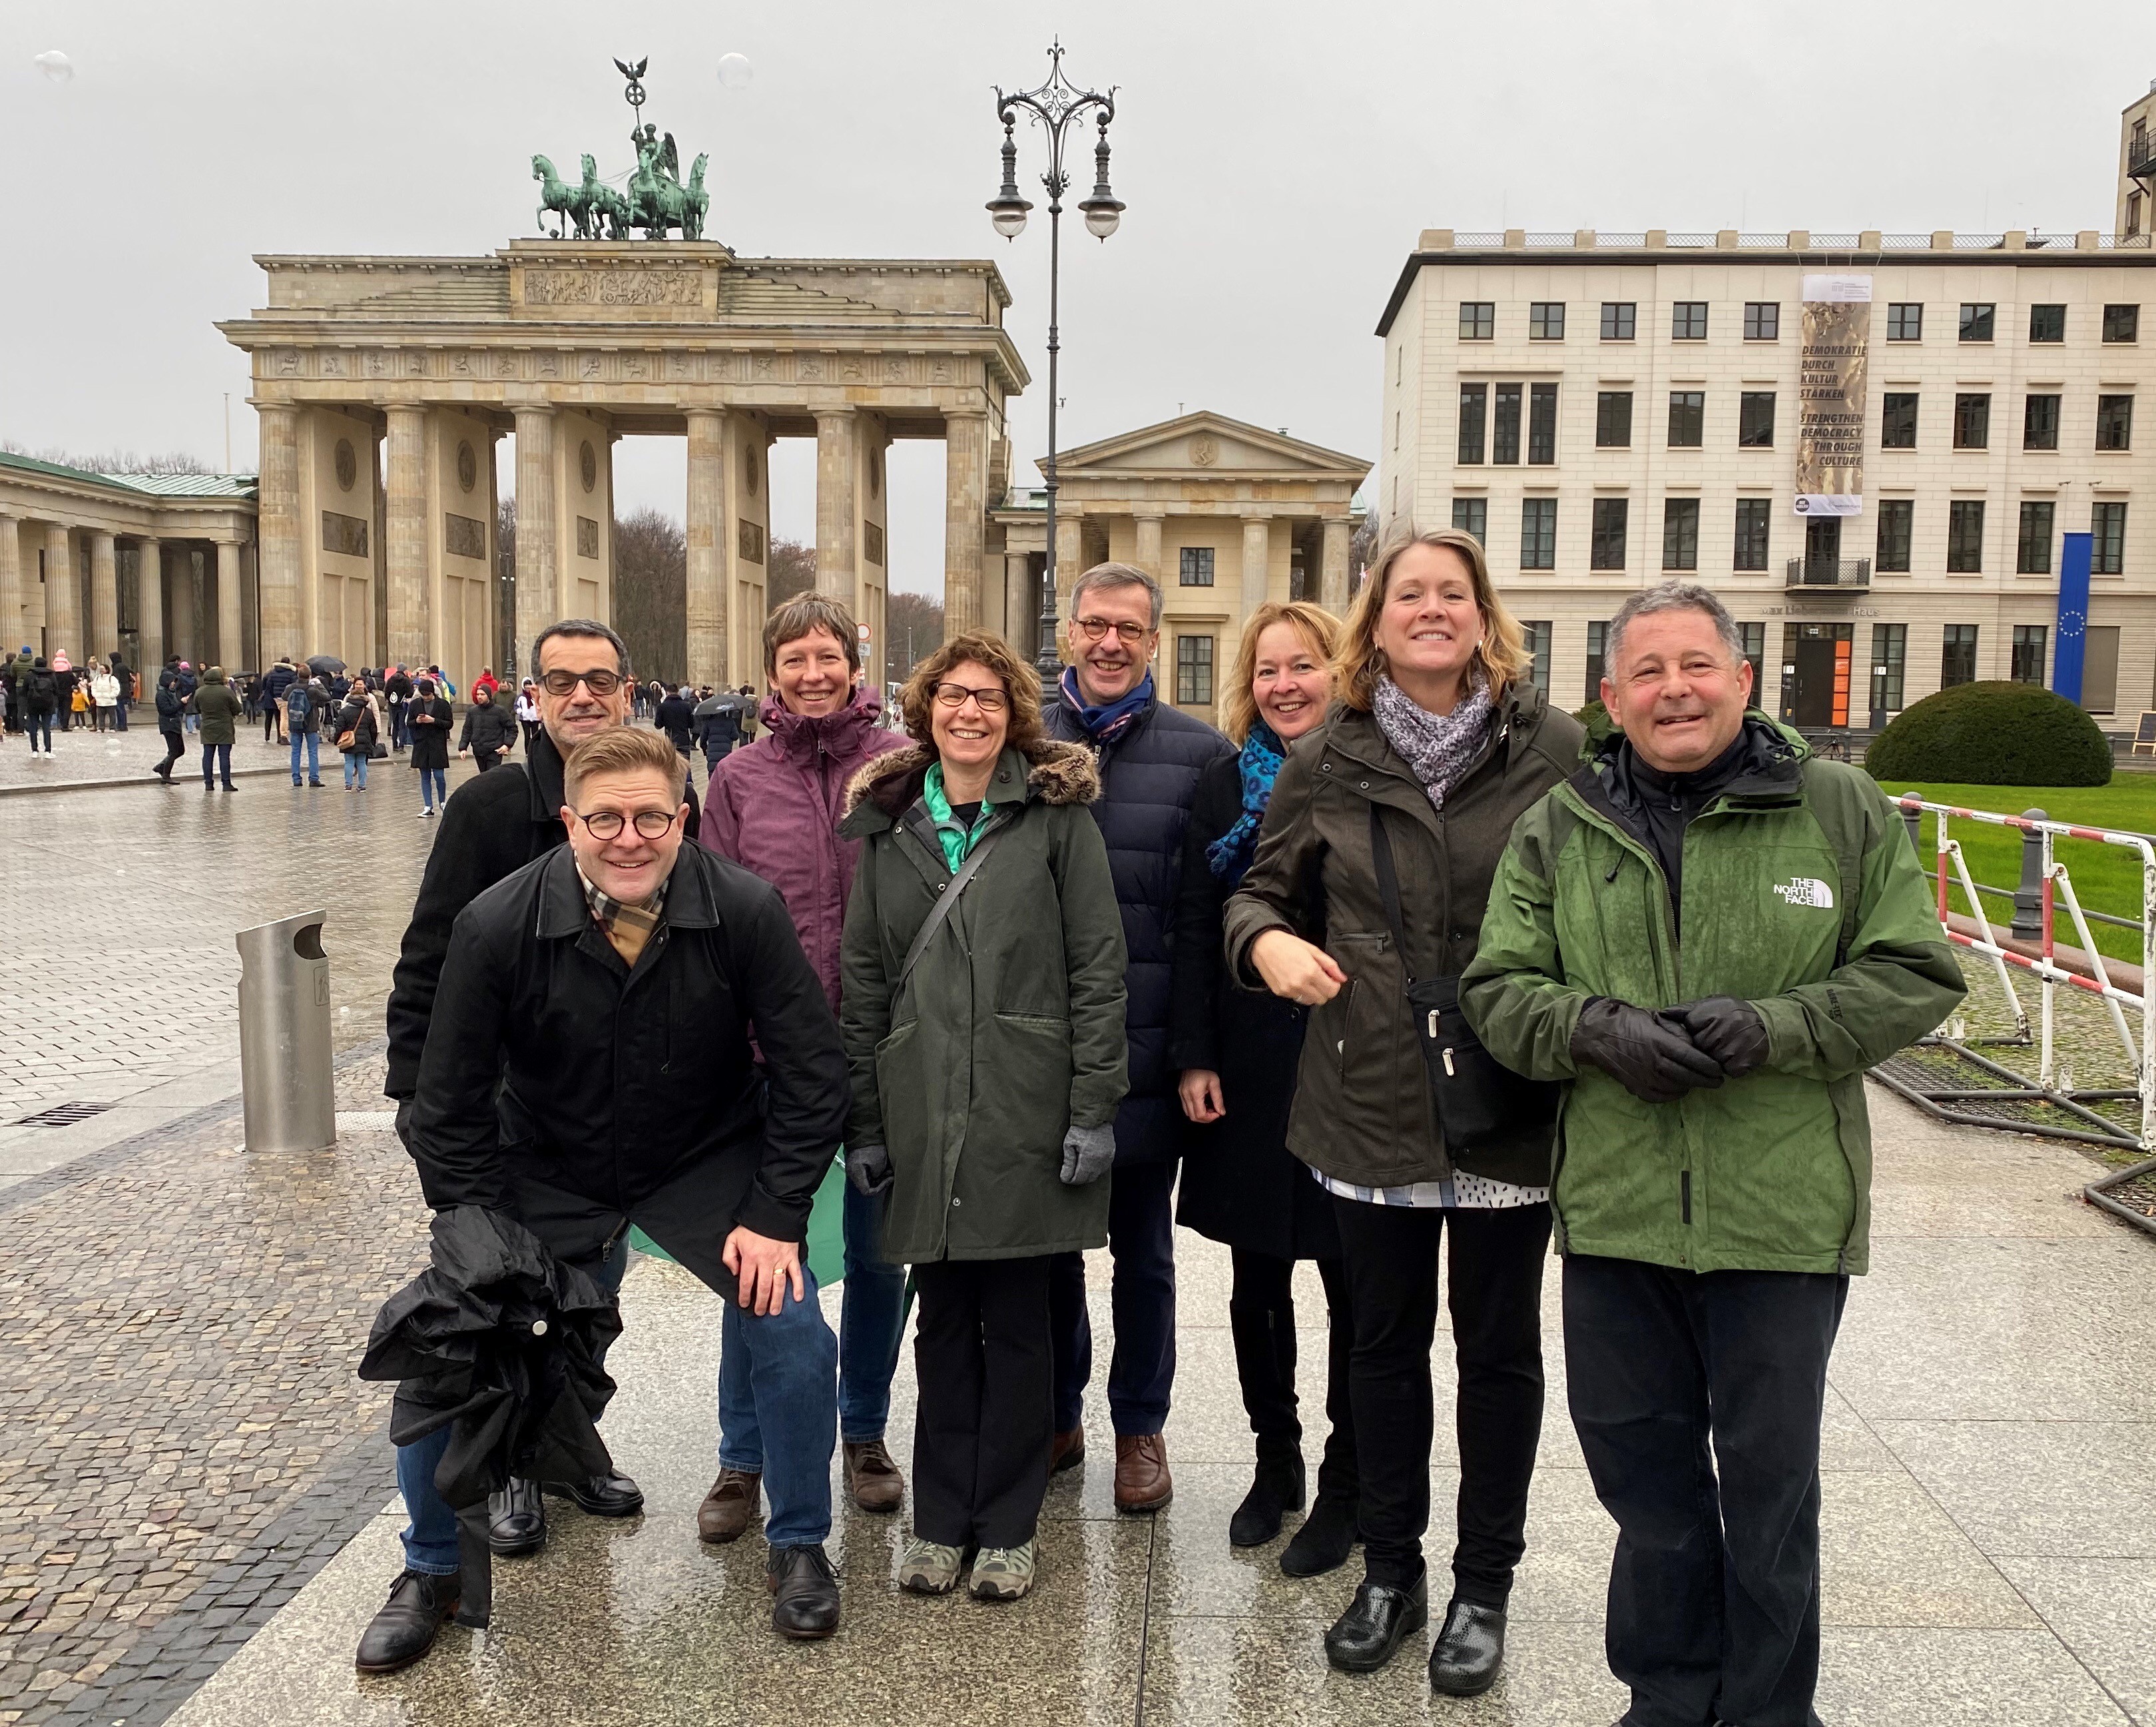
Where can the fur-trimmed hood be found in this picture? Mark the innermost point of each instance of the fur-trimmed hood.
(883, 790)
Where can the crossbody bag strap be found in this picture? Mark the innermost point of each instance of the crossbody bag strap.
(1389, 885)
(944, 901)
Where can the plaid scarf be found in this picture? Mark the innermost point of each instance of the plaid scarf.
(1436, 747)
(627, 926)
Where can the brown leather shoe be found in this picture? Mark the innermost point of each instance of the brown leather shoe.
(1066, 1451)
(730, 1506)
(1143, 1483)
(871, 1478)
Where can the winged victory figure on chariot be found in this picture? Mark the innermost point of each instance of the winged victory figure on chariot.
(655, 198)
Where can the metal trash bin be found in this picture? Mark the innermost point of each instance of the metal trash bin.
(286, 1090)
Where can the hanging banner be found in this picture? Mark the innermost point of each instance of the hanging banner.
(1830, 395)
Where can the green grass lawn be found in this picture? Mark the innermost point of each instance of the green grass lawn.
(2105, 878)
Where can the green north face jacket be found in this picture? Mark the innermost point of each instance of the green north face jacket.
(1800, 895)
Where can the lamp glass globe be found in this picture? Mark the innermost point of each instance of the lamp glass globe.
(1010, 222)
(1101, 222)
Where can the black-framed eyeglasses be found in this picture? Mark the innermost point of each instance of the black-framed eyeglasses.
(598, 680)
(955, 694)
(1129, 634)
(608, 823)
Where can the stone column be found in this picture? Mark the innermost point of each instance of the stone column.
(535, 558)
(1257, 553)
(835, 565)
(404, 542)
(284, 611)
(1332, 566)
(149, 611)
(1021, 608)
(231, 651)
(1148, 546)
(708, 586)
(965, 500)
(11, 587)
(63, 609)
(104, 597)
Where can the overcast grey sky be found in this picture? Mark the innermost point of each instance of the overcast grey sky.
(1278, 160)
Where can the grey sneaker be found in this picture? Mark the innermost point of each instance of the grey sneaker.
(929, 1567)
(1004, 1574)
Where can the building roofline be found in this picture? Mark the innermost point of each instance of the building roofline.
(219, 488)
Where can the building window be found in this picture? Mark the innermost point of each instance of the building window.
(2040, 423)
(1538, 643)
(2032, 544)
(1751, 552)
(1965, 536)
(1595, 634)
(1505, 431)
(1687, 419)
(1542, 424)
(1478, 320)
(1754, 637)
(1194, 670)
(1897, 424)
(1904, 320)
(2100, 668)
(2047, 323)
(1889, 644)
(1605, 548)
(1613, 419)
(2114, 422)
(1471, 516)
(1763, 320)
(1474, 417)
(1196, 566)
(2029, 643)
(1618, 319)
(1977, 320)
(2132, 214)
(2122, 323)
(1972, 420)
(1538, 534)
(2107, 539)
(1755, 419)
(1688, 321)
(1957, 658)
(1546, 320)
(1898, 519)
(1680, 533)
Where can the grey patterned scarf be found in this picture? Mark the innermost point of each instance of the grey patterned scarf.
(1437, 748)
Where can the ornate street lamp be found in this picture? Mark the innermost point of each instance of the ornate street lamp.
(1055, 105)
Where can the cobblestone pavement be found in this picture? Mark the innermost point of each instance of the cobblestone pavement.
(96, 758)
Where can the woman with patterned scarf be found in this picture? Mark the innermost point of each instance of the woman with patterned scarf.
(1372, 869)
(1237, 1049)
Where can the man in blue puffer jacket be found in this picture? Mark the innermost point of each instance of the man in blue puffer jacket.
(1150, 756)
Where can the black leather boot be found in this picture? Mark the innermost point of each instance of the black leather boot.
(1324, 1540)
(1464, 1660)
(1377, 1622)
(807, 1588)
(516, 1519)
(1277, 1489)
(602, 1495)
(404, 1629)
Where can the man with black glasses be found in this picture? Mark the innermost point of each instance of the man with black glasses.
(493, 826)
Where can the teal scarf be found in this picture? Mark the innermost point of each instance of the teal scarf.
(956, 840)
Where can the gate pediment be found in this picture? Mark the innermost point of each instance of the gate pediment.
(614, 283)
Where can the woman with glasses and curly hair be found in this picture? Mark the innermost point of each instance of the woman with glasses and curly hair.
(982, 1012)
(1364, 904)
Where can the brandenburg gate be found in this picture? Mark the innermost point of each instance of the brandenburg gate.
(567, 344)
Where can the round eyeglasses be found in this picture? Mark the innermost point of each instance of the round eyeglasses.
(608, 823)
(1129, 634)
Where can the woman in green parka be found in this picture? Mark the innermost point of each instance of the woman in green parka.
(987, 1068)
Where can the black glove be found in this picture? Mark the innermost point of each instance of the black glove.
(1655, 1061)
(1728, 1029)
(867, 1167)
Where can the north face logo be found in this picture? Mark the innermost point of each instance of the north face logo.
(1806, 891)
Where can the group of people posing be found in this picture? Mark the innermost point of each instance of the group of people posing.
(1404, 969)
(38, 695)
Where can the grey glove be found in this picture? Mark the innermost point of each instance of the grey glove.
(1088, 1154)
(867, 1167)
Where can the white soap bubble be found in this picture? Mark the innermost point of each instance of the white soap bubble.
(55, 65)
(735, 72)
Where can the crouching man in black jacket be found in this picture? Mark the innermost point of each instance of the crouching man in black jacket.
(589, 1065)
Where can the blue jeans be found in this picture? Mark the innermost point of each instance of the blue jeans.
(120, 715)
(1141, 1372)
(217, 756)
(871, 1327)
(776, 1376)
(430, 1539)
(39, 725)
(355, 763)
(313, 740)
(433, 787)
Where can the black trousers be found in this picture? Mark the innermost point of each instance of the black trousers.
(1261, 1320)
(1714, 1594)
(982, 1355)
(175, 747)
(1494, 1281)
(1141, 1300)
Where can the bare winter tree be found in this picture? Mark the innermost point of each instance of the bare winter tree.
(912, 629)
(514, 653)
(792, 571)
(651, 592)
(115, 461)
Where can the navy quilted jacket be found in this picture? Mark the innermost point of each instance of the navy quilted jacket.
(1149, 779)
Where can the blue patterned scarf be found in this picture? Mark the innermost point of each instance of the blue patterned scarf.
(1106, 723)
(1259, 764)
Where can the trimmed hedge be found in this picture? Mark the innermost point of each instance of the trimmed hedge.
(1992, 734)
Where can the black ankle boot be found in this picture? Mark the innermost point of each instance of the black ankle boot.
(1379, 1620)
(1277, 1488)
(1464, 1660)
(1327, 1536)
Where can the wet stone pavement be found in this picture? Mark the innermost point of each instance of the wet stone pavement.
(196, 1503)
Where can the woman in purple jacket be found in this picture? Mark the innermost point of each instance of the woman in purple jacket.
(773, 806)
